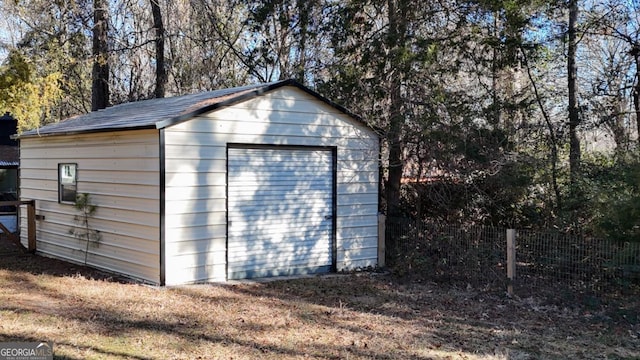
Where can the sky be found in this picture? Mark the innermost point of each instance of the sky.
(7, 32)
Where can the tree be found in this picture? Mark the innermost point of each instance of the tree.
(161, 72)
(608, 89)
(482, 98)
(572, 86)
(278, 39)
(396, 43)
(203, 37)
(100, 51)
(54, 37)
(446, 77)
(83, 231)
(616, 30)
(29, 97)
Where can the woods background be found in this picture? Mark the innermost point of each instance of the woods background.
(520, 113)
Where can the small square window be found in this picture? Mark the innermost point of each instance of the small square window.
(67, 183)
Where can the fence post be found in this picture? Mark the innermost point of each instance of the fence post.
(511, 259)
(31, 226)
(381, 240)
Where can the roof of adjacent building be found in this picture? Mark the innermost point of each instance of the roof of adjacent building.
(163, 112)
(9, 156)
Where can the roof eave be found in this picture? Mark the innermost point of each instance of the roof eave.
(82, 132)
(205, 109)
(240, 97)
(255, 93)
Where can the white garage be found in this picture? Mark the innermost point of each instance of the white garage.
(262, 180)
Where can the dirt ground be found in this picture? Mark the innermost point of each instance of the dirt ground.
(89, 314)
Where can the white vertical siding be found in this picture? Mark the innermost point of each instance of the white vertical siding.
(195, 191)
(120, 171)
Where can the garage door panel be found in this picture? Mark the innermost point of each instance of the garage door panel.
(258, 214)
(304, 197)
(258, 271)
(294, 225)
(257, 235)
(280, 203)
(286, 253)
(284, 200)
(278, 263)
(290, 167)
(279, 181)
(317, 190)
(258, 178)
(274, 261)
(279, 266)
(304, 210)
(277, 246)
(275, 154)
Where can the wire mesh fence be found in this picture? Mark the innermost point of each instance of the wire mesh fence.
(446, 252)
(582, 263)
(477, 255)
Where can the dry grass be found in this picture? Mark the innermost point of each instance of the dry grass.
(89, 315)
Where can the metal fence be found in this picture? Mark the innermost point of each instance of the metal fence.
(477, 255)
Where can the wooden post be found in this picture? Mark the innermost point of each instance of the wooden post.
(511, 259)
(381, 240)
(31, 226)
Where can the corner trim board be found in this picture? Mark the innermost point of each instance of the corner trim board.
(162, 200)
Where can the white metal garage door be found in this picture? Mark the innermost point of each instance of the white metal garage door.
(280, 207)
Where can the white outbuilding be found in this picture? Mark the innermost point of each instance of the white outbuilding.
(262, 180)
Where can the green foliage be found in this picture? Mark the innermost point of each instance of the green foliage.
(500, 196)
(83, 231)
(467, 90)
(29, 97)
(611, 193)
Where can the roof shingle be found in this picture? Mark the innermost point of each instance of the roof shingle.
(9, 155)
(145, 113)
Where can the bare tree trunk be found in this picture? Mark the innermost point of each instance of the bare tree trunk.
(574, 115)
(100, 72)
(618, 128)
(495, 74)
(304, 8)
(395, 41)
(396, 119)
(635, 52)
(161, 71)
(636, 105)
(552, 133)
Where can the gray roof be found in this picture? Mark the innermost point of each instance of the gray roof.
(9, 156)
(160, 113)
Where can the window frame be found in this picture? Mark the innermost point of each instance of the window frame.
(62, 184)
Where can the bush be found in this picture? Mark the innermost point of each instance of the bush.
(612, 194)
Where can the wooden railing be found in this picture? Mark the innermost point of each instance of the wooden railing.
(31, 225)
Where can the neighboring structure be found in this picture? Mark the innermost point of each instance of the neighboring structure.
(262, 180)
(9, 162)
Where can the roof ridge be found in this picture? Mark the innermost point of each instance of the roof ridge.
(158, 113)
